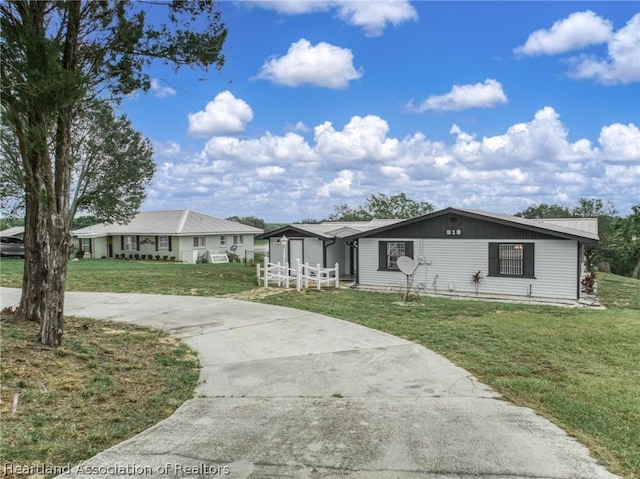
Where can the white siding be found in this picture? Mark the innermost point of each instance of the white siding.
(454, 261)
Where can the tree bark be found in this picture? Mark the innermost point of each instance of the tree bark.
(636, 270)
(47, 186)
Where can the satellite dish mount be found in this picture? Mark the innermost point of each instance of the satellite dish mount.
(409, 267)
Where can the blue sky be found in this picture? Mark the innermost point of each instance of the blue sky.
(486, 105)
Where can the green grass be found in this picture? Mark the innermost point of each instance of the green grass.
(578, 367)
(107, 382)
(120, 276)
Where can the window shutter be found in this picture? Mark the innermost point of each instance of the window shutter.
(122, 243)
(90, 245)
(169, 243)
(494, 258)
(382, 255)
(528, 257)
(408, 249)
(137, 243)
(157, 239)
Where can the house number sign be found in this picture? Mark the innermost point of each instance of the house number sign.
(454, 232)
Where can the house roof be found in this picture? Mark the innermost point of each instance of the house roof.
(15, 231)
(329, 229)
(174, 223)
(586, 229)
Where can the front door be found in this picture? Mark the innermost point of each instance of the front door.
(296, 252)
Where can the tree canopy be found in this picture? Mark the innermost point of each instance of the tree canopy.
(381, 206)
(58, 60)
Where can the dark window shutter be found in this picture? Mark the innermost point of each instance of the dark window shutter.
(122, 243)
(494, 258)
(90, 245)
(169, 243)
(138, 243)
(382, 255)
(157, 238)
(408, 249)
(528, 256)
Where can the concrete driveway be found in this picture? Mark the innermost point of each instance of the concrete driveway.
(287, 393)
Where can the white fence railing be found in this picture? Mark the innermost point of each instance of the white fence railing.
(302, 275)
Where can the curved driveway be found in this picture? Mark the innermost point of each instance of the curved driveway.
(286, 393)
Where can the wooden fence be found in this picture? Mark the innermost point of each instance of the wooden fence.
(302, 275)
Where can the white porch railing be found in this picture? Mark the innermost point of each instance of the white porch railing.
(302, 275)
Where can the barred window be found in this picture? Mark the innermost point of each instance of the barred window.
(511, 259)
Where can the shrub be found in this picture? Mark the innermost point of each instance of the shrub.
(589, 282)
(158, 257)
(173, 258)
(165, 258)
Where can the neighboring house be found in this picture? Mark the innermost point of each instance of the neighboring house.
(320, 243)
(16, 231)
(183, 234)
(516, 256)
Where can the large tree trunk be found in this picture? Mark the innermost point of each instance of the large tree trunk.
(636, 270)
(46, 254)
(48, 183)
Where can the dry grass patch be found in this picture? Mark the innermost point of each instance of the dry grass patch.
(106, 383)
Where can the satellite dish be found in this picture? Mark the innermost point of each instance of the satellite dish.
(407, 265)
(233, 248)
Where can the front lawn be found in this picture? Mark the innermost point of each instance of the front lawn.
(578, 367)
(154, 277)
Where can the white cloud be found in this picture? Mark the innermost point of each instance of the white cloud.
(620, 142)
(268, 172)
(577, 31)
(371, 16)
(374, 16)
(532, 161)
(360, 139)
(323, 65)
(623, 62)
(461, 97)
(161, 91)
(340, 186)
(167, 150)
(225, 115)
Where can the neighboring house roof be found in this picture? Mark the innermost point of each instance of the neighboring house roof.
(15, 231)
(172, 223)
(583, 230)
(329, 229)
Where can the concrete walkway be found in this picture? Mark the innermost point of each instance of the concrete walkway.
(286, 393)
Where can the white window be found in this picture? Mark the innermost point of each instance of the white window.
(512, 259)
(395, 249)
(163, 242)
(86, 245)
(199, 242)
(238, 239)
(130, 243)
(223, 240)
